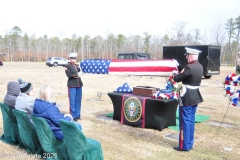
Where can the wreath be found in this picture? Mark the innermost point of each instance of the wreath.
(231, 85)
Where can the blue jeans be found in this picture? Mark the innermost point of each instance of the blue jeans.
(75, 99)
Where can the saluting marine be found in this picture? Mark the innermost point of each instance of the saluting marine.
(74, 84)
(190, 97)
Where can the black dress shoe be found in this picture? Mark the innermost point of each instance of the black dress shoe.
(75, 119)
(178, 149)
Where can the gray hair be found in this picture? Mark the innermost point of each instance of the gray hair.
(46, 93)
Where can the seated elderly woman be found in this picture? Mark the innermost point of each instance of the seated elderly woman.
(45, 107)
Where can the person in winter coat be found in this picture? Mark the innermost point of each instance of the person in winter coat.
(45, 107)
(25, 101)
(13, 91)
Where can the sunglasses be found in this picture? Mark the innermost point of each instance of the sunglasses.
(73, 58)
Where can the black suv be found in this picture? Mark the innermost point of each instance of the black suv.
(134, 55)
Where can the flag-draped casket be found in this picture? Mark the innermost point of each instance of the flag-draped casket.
(129, 67)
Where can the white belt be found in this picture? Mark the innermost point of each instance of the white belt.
(184, 89)
(192, 87)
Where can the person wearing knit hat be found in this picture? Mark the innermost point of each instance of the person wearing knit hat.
(25, 101)
(25, 87)
(13, 91)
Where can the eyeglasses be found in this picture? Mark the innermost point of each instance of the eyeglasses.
(73, 58)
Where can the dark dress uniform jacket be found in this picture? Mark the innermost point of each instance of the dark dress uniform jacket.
(191, 76)
(72, 73)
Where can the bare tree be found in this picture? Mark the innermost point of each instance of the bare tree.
(155, 47)
(99, 44)
(147, 42)
(86, 43)
(178, 35)
(137, 43)
(237, 23)
(218, 35)
(120, 41)
(15, 35)
(93, 44)
(230, 29)
(111, 44)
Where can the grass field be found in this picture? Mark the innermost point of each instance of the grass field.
(122, 142)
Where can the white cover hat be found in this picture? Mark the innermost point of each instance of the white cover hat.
(192, 51)
(72, 55)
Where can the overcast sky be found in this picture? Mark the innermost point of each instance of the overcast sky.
(62, 18)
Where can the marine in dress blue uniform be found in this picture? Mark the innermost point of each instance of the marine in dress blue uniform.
(190, 97)
(74, 85)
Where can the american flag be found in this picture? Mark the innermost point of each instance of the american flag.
(95, 66)
(124, 88)
(130, 67)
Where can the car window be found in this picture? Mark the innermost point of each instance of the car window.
(57, 58)
(134, 56)
(142, 57)
(129, 56)
(120, 56)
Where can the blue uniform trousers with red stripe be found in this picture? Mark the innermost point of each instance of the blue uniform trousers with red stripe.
(75, 98)
(187, 126)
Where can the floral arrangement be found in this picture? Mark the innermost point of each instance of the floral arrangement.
(172, 85)
(171, 91)
(230, 84)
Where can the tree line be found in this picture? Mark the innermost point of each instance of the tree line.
(24, 47)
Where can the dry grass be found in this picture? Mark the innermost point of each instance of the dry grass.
(121, 142)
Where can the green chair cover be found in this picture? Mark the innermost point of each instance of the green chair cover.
(10, 128)
(53, 148)
(27, 133)
(78, 146)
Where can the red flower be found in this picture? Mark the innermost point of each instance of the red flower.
(227, 82)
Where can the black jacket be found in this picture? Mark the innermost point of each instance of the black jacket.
(74, 80)
(191, 77)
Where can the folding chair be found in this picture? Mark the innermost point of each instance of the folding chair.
(10, 128)
(78, 146)
(53, 148)
(27, 132)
